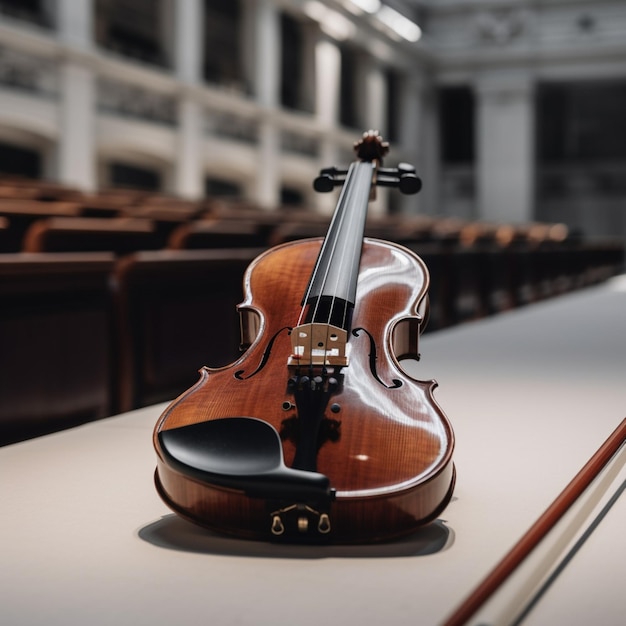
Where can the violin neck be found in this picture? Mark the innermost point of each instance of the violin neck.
(334, 277)
(331, 293)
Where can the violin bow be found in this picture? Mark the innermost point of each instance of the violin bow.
(529, 541)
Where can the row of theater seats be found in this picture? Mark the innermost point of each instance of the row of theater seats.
(90, 327)
(86, 335)
(52, 218)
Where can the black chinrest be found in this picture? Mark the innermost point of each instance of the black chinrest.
(242, 453)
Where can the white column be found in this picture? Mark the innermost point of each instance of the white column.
(374, 115)
(328, 82)
(188, 166)
(327, 58)
(188, 52)
(375, 96)
(505, 147)
(268, 51)
(75, 22)
(268, 171)
(76, 143)
(188, 169)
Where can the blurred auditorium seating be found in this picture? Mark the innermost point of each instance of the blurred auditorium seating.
(14, 187)
(175, 312)
(83, 234)
(22, 213)
(113, 301)
(4, 231)
(56, 354)
(217, 233)
(293, 230)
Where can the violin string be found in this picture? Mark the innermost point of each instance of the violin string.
(364, 204)
(332, 229)
(346, 213)
(359, 204)
(336, 226)
(350, 213)
(344, 204)
(348, 216)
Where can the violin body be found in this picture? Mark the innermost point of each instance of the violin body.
(264, 449)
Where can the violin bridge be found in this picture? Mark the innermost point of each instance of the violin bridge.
(318, 344)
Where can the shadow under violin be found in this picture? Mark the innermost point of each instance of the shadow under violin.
(174, 533)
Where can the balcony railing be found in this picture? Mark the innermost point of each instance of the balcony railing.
(127, 100)
(231, 126)
(25, 72)
(297, 143)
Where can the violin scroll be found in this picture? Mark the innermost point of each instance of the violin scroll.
(371, 147)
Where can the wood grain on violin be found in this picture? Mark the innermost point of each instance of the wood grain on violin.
(316, 432)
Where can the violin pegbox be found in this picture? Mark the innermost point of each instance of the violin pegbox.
(372, 148)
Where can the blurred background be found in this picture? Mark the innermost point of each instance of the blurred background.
(151, 149)
(511, 110)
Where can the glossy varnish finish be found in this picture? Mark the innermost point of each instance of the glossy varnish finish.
(388, 446)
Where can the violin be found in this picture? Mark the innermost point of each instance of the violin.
(317, 433)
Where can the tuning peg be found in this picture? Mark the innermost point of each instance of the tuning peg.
(329, 178)
(403, 177)
(324, 183)
(408, 183)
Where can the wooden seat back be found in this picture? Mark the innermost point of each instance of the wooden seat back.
(56, 342)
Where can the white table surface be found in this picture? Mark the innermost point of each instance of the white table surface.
(84, 538)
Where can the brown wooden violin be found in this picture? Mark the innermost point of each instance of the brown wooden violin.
(316, 432)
